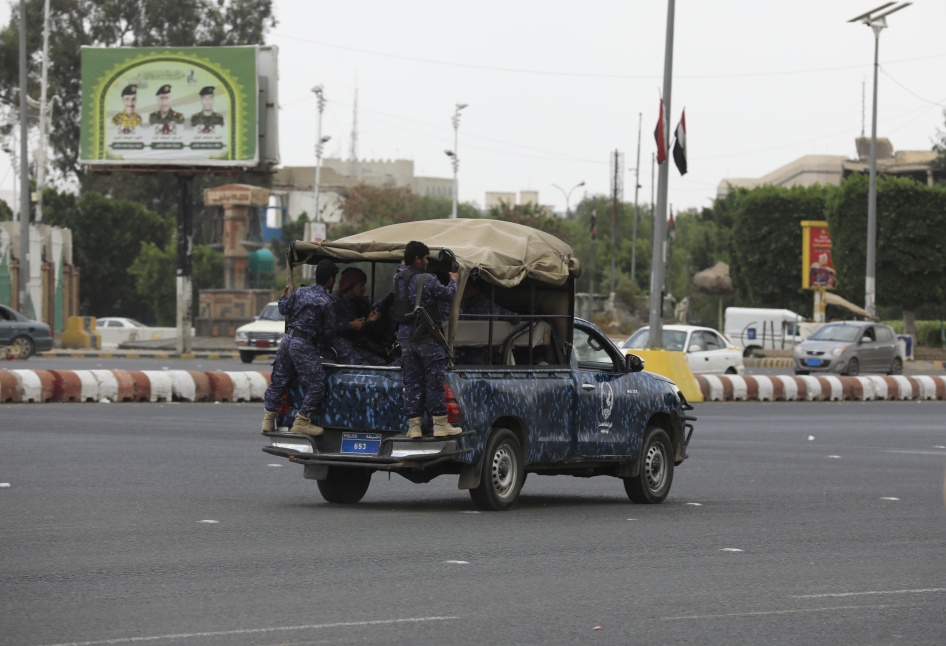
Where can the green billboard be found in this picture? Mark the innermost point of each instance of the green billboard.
(157, 106)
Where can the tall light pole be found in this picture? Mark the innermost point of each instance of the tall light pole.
(658, 268)
(568, 196)
(877, 22)
(454, 156)
(320, 141)
(637, 188)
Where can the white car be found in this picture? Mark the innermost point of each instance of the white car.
(707, 351)
(118, 322)
(263, 335)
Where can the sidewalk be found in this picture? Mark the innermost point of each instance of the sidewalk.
(202, 347)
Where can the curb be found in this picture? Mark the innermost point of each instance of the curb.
(106, 386)
(136, 354)
(822, 388)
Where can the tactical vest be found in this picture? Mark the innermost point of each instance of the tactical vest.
(403, 308)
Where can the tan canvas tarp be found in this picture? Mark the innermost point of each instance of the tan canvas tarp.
(504, 253)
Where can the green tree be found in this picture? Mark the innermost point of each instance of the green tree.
(106, 239)
(766, 244)
(910, 254)
(6, 213)
(155, 271)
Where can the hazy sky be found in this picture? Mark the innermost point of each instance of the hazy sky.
(553, 87)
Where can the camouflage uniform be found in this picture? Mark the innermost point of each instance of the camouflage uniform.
(424, 361)
(298, 356)
(206, 122)
(168, 121)
(341, 337)
(126, 121)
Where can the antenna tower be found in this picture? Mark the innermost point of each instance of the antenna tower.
(354, 137)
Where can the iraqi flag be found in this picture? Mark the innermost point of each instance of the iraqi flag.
(594, 223)
(661, 136)
(680, 145)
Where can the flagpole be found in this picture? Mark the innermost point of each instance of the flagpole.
(657, 273)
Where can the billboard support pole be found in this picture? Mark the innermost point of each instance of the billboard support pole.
(185, 235)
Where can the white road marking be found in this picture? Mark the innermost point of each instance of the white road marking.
(835, 457)
(695, 504)
(469, 512)
(811, 438)
(729, 549)
(4, 485)
(457, 562)
(255, 631)
(862, 594)
(211, 522)
(939, 447)
(752, 614)
(274, 465)
(889, 498)
(915, 452)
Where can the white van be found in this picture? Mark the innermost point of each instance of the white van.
(760, 328)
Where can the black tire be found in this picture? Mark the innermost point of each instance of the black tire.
(25, 345)
(652, 483)
(896, 368)
(750, 351)
(345, 485)
(853, 367)
(503, 473)
(247, 357)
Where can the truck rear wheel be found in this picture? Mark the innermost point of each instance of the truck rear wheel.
(652, 483)
(345, 485)
(503, 473)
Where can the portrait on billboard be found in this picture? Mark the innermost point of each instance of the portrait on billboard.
(181, 107)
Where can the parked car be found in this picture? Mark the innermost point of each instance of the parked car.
(26, 335)
(117, 322)
(707, 351)
(263, 335)
(850, 348)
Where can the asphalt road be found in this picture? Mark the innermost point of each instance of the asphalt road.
(792, 523)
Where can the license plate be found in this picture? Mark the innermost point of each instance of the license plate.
(815, 363)
(263, 343)
(362, 443)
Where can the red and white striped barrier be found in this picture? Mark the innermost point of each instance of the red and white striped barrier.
(131, 385)
(821, 388)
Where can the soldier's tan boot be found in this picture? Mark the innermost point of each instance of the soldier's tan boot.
(442, 428)
(414, 431)
(269, 421)
(304, 426)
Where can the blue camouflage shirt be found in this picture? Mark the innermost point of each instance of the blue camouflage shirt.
(308, 310)
(436, 298)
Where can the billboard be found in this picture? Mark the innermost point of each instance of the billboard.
(158, 106)
(817, 271)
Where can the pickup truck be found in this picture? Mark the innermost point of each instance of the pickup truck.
(554, 397)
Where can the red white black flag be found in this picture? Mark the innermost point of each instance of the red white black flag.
(594, 223)
(661, 136)
(680, 145)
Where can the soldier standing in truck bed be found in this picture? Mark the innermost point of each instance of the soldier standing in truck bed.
(423, 358)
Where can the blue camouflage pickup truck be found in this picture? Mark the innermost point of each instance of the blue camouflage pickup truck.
(548, 394)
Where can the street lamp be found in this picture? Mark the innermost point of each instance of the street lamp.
(877, 22)
(319, 143)
(568, 196)
(453, 155)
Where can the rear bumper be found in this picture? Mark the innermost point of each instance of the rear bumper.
(395, 452)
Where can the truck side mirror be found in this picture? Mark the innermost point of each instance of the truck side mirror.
(633, 363)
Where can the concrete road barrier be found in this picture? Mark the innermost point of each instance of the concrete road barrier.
(821, 388)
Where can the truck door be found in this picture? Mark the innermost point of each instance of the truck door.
(605, 396)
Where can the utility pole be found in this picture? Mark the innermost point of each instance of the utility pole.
(617, 194)
(637, 188)
(43, 120)
(24, 304)
(660, 217)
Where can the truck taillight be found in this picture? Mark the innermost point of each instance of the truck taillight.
(453, 408)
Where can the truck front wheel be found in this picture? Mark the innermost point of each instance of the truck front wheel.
(345, 485)
(652, 482)
(503, 473)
